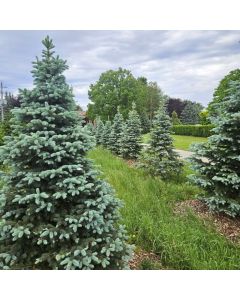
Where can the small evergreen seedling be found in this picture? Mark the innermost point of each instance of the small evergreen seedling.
(160, 158)
(55, 211)
(116, 133)
(219, 172)
(131, 138)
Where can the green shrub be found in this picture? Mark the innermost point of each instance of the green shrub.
(193, 130)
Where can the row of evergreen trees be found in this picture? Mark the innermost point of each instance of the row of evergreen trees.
(216, 162)
(124, 139)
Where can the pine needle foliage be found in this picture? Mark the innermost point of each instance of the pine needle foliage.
(90, 128)
(55, 211)
(106, 134)
(116, 133)
(217, 162)
(131, 138)
(145, 123)
(99, 131)
(160, 158)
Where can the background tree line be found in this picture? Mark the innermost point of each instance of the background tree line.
(120, 88)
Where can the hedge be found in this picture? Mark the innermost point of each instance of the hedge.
(193, 130)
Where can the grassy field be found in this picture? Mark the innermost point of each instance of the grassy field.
(181, 241)
(182, 142)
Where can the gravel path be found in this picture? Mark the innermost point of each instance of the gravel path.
(182, 153)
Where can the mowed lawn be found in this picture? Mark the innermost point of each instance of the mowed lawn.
(182, 241)
(182, 142)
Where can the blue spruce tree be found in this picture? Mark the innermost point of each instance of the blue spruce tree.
(116, 133)
(56, 213)
(90, 128)
(219, 173)
(106, 134)
(160, 158)
(131, 137)
(99, 131)
(145, 123)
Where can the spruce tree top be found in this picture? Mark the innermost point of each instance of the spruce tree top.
(49, 81)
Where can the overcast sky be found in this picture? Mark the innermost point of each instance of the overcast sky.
(185, 64)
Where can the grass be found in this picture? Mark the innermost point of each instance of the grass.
(182, 142)
(182, 242)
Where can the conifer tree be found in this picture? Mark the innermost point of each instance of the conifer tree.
(219, 173)
(116, 133)
(190, 113)
(56, 213)
(131, 138)
(160, 158)
(106, 134)
(90, 127)
(145, 123)
(175, 119)
(99, 131)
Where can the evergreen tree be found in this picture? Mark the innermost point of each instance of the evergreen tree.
(145, 123)
(116, 133)
(106, 134)
(219, 173)
(131, 138)
(99, 131)
(160, 158)
(190, 113)
(90, 127)
(56, 213)
(175, 119)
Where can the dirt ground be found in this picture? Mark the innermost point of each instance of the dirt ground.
(224, 224)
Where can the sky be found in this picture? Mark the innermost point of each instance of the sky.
(185, 64)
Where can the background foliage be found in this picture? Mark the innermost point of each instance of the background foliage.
(193, 130)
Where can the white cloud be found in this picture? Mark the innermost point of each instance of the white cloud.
(186, 64)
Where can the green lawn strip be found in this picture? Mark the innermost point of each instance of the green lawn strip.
(182, 242)
(181, 142)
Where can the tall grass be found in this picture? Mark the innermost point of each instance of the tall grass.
(181, 241)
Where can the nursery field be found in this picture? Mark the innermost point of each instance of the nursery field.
(181, 142)
(55, 213)
(181, 241)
